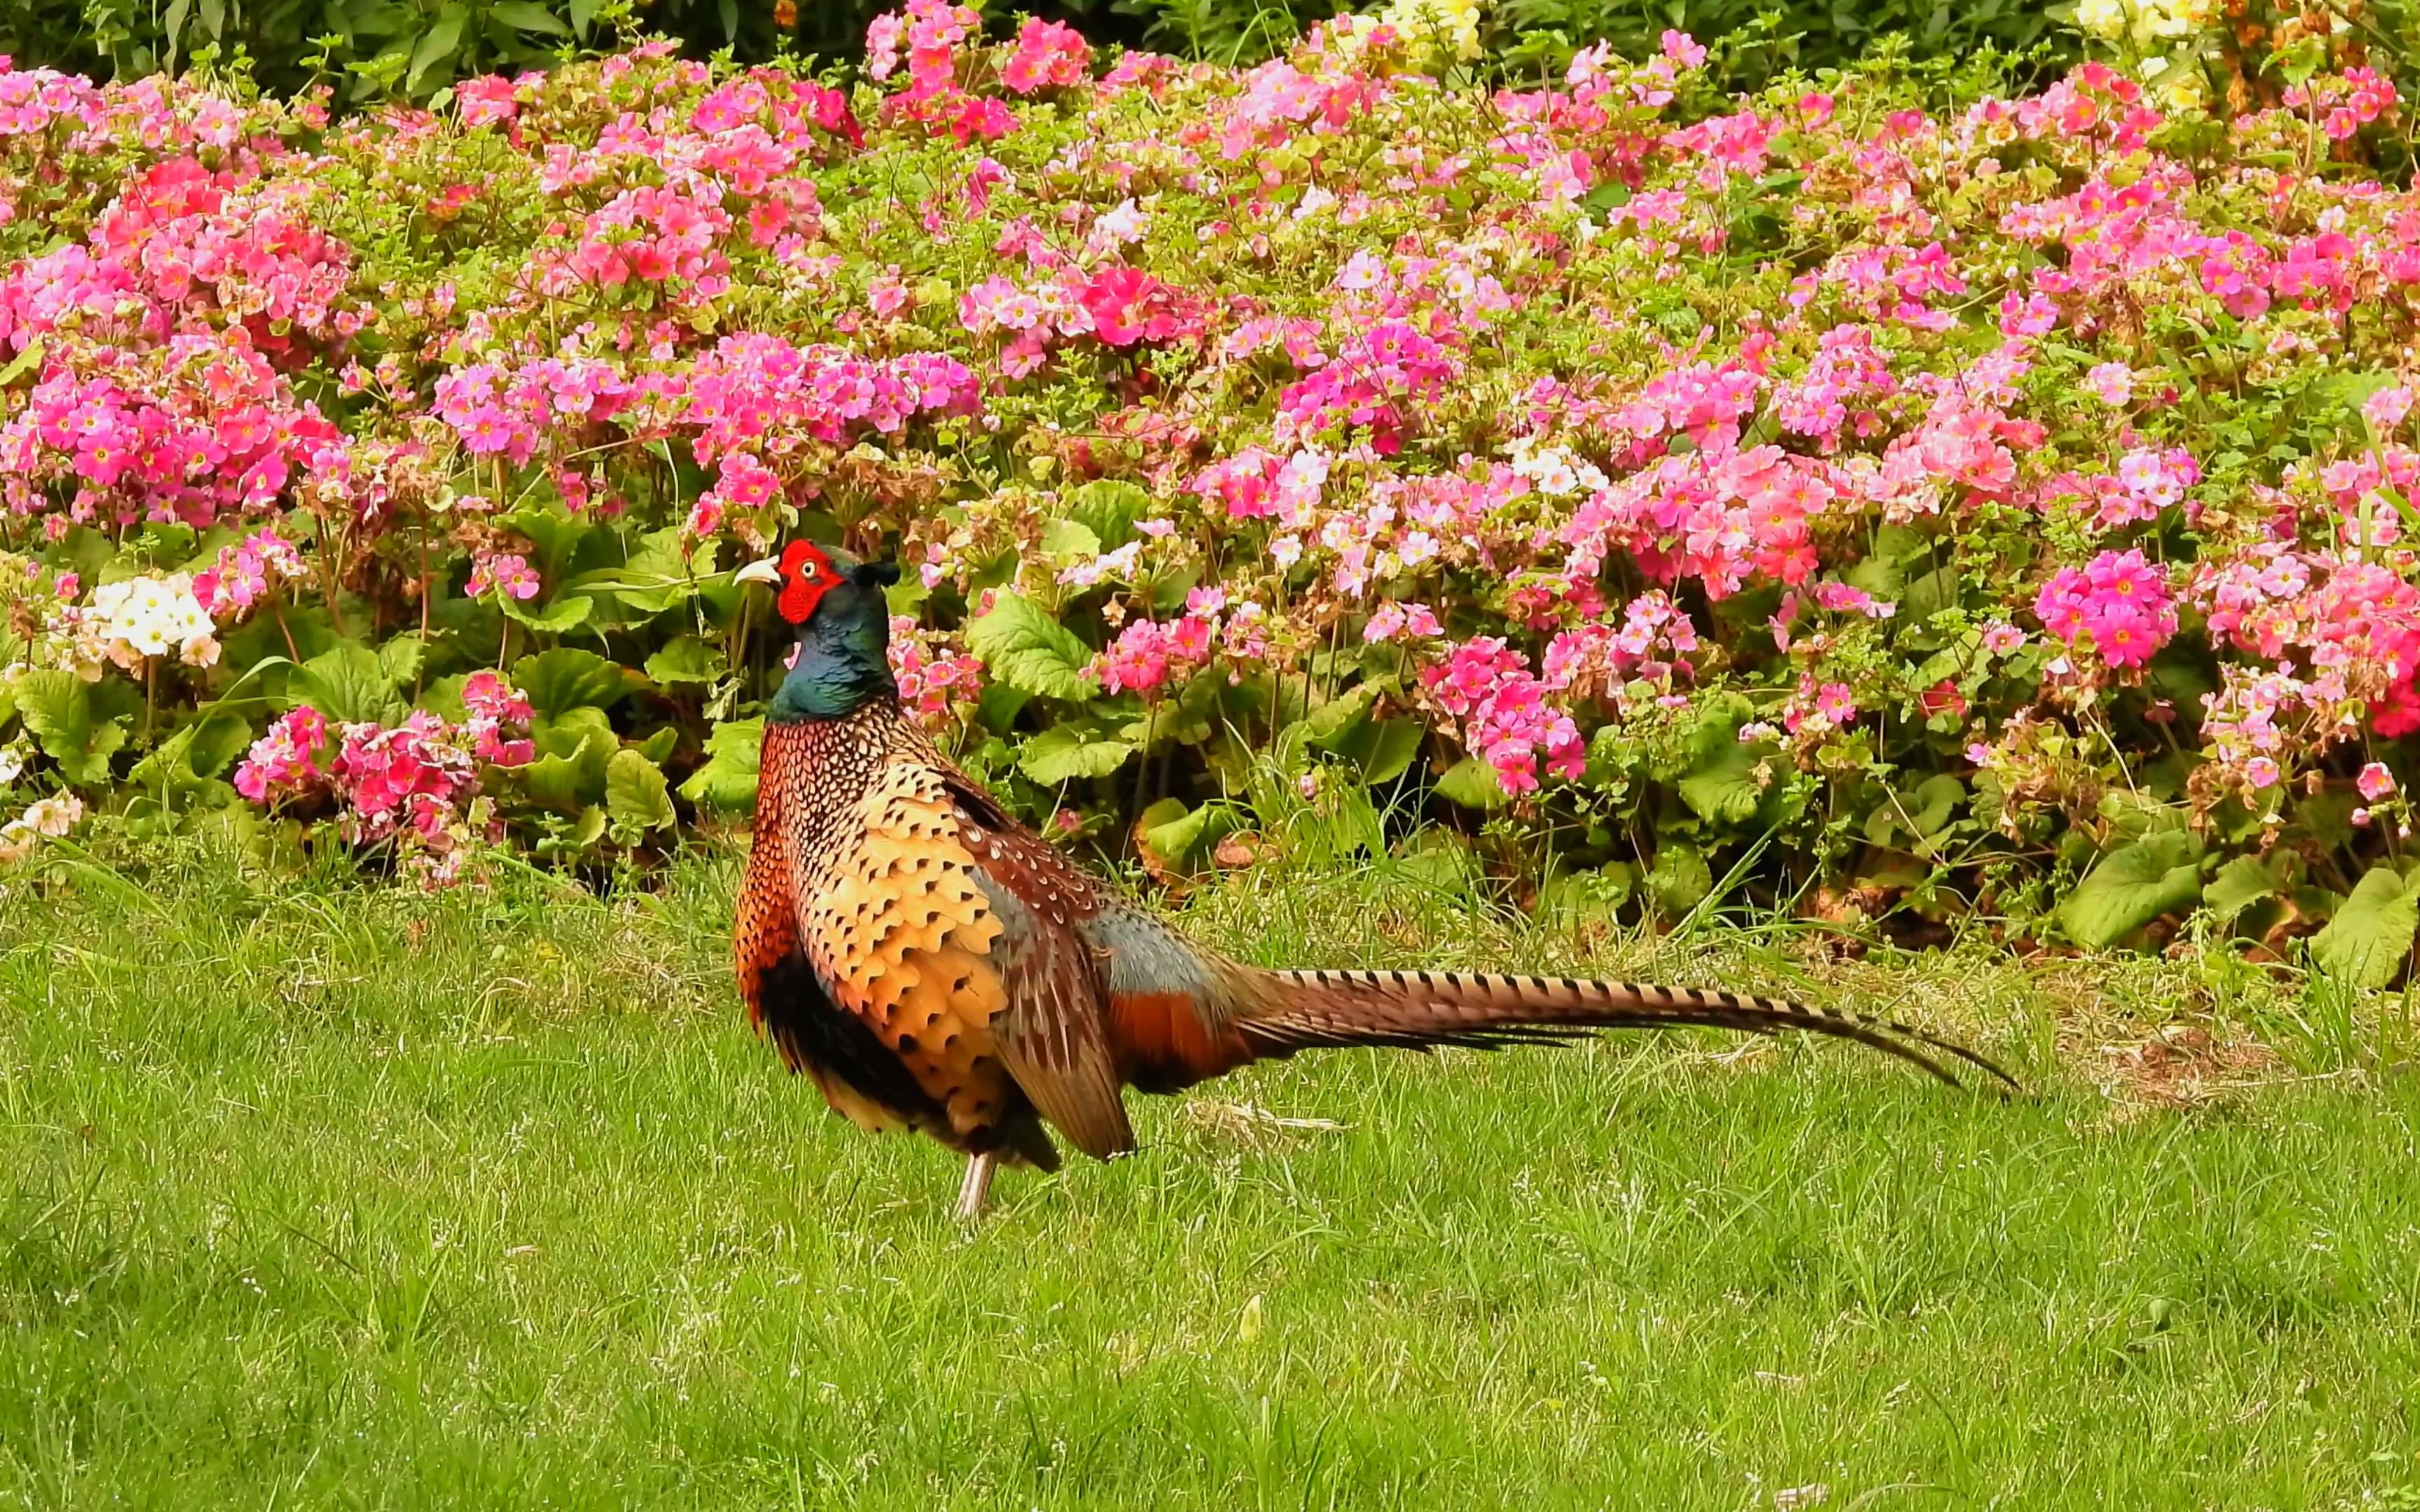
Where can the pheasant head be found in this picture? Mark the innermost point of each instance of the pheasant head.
(835, 604)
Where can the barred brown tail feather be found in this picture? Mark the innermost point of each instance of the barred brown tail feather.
(1417, 1010)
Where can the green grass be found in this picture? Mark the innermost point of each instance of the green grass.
(337, 1195)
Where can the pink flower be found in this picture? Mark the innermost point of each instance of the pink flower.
(2385, 409)
(2260, 772)
(285, 761)
(1683, 49)
(1506, 718)
(2111, 382)
(2120, 604)
(2375, 781)
(510, 575)
(1049, 55)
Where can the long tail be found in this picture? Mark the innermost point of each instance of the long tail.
(1415, 1010)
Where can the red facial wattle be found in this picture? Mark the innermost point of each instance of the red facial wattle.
(807, 574)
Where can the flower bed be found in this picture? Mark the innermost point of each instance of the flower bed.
(2001, 505)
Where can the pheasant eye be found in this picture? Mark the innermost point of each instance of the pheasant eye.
(808, 572)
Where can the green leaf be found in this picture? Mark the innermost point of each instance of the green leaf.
(401, 656)
(570, 777)
(1588, 895)
(567, 678)
(523, 15)
(436, 45)
(23, 363)
(264, 636)
(565, 612)
(658, 575)
(1070, 539)
(728, 780)
(1934, 800)
(1723, 788)
(1109, 508)
(589, 828)
(583, 13)
(1063, 753)
(998, 706)
(1188, 836)
(216, 741)
(687, 659)
(635, 795)
(1337, 718)
(1472, 783)
(61, 711)
(2238, 885)
(565, 733)
(188, 761)
(2369, 938)
(2327, 818)
(350, 684)
(1382, 749)
(1680, 879)
(1027, 649)
(1438, 859)
(2132, 886)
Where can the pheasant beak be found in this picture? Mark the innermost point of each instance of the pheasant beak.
(767, 572)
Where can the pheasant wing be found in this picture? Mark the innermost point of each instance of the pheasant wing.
(1053, 1036)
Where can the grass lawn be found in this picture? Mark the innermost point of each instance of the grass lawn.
(334, 1196)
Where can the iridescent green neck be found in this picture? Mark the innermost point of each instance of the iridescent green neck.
(844, 660)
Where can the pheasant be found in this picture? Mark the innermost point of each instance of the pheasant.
(933, 964)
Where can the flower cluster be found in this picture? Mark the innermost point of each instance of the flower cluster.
(1505, 719)
(1448, 26)
(417, 782)
(933, 33)
(932, 683)
(1147, 653)
(130, 621)
(246, 575)
(2118, 604)
(1535, 424)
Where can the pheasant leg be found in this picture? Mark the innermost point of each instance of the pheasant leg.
(976, 1187)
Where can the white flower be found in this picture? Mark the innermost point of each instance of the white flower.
(12, 765)
(55, 816)
(1124, 225)
(51, 817)
(137, 618)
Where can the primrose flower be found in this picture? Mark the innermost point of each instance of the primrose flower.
(137, 618)
(47, 818)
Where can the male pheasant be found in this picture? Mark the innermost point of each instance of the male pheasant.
(935, 965)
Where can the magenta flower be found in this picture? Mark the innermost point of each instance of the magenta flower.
(2120, 604)
(284, 762)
